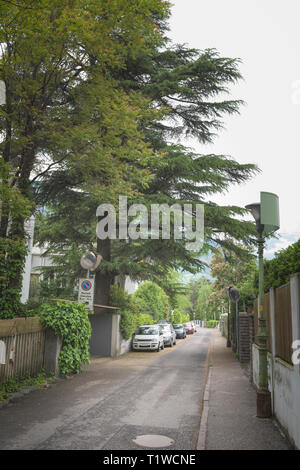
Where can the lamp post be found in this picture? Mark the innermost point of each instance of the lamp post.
(266, 216)
(234, 296)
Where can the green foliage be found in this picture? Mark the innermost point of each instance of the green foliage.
(71, 323)
(152, 300)
(278, 270)
(16, 383)
(31, 308)
(184, 304)
(205, 310)
(65, 111)
(12, 249)
(211, 323)
(171, 283)
(58, 288)
(186, 83)
(12, 258)
(131, 316)
(179, 316)
(230, 269)
(120, 298)
(130, 321)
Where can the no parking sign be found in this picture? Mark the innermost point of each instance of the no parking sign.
(86, 292)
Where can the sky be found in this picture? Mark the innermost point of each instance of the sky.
(264, 34)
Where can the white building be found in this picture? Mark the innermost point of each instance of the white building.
(35, 260)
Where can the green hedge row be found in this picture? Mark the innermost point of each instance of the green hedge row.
(211, 323)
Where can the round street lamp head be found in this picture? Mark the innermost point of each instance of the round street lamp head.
(266, 213)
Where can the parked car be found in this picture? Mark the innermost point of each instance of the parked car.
(148, 337)
(168, 333)
(189, 329)
(179, 330)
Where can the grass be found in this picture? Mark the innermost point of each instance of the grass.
(16, 383)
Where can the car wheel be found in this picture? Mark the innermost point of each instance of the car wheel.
(175, 342)
(171, 343)
(158, 348)
(163, 346)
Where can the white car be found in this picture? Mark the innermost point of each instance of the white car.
(148, 337)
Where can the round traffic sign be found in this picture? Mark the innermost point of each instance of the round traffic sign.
(86, 285)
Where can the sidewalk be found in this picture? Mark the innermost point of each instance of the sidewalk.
(231, 404)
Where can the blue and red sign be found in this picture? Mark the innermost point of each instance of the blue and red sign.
(86, 285)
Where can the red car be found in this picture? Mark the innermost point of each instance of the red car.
(189, 329)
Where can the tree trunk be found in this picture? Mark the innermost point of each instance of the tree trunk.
(103, 278)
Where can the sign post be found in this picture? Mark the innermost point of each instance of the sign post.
(86, 292)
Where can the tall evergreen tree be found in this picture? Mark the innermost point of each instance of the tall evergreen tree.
(64, 110)
(186, 83)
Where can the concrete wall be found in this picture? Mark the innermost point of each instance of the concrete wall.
(223, 324)
(284, 378)
(125, 345)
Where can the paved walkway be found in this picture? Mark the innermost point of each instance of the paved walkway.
(114, 402)
(231, 404)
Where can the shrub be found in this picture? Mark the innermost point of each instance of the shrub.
(31, 308)
(180, 317)
(152, 300)
(71, 323)
(130, 321)
(131, 317)
(211, 323)
(278, 270)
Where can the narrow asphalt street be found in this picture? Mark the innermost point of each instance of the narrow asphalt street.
(114, 401)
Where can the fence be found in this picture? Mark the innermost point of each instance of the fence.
(283, 323)
(282, 307)
(26, 347)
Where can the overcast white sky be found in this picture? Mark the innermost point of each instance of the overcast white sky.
(264, 34)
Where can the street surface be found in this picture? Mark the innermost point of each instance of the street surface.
(114, 401)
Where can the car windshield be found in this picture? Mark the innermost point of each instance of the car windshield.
(178, 327)
(166, 327)
(147, 330)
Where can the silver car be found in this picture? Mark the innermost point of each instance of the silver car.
(169, 334)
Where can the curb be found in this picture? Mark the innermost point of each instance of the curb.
(23, 391)
(16, 396)
(205, 402)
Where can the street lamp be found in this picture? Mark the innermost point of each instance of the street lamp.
(234, 296)
(266, 216)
